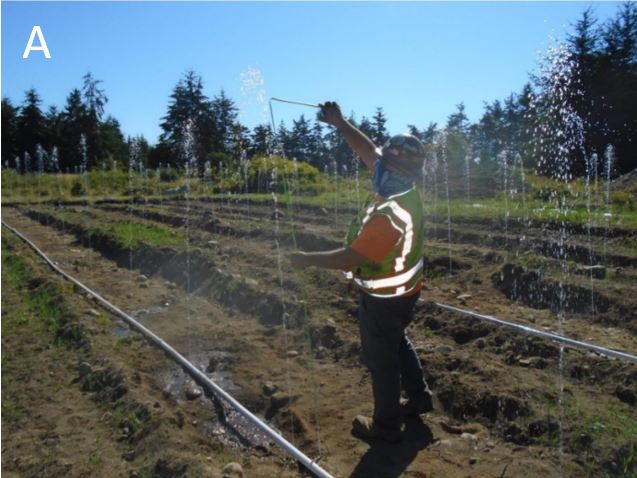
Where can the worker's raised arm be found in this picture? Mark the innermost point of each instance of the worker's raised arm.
(357, 140)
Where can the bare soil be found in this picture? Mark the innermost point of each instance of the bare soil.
(285, 344)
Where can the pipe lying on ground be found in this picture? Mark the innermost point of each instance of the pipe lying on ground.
(540, 333)
(188, 367)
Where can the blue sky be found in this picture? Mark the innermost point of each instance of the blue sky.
(416, 60)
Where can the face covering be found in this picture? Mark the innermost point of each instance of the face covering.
(387, 183)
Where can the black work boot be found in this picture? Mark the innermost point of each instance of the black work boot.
(366, 428)
(417, 406)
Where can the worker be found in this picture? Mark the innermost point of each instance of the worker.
(383, 256)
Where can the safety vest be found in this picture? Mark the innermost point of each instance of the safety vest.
(400, 272)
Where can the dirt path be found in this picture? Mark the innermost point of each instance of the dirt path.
(317, 397)
(94, 402)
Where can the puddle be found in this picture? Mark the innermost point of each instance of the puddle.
(236, 431)
(122, 331)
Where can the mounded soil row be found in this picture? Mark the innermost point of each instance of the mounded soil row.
(190, 269)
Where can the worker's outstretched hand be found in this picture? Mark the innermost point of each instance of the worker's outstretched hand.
(330, 113)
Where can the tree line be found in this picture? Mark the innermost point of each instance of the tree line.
(582, 103)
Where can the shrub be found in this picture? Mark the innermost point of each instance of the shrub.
(297, 177)
(77, 188)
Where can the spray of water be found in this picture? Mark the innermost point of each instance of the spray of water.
(190, 165)
(561, 138)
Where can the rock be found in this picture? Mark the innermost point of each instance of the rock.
(129, 455)
(469, 437)
(473, 460)
(192, 392)
(251, 282)
(232, 470)
(84, 369)
(444, 348)
(533, 362)
(464, 296)
(142, 278)
(481, 342)
(269, 388)
(293, 353)
(93, 312)
(212, 243)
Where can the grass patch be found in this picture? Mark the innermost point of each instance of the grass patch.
(135, 234)
(11, 411)
(43, 300)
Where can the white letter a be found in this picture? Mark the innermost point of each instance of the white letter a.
(29, 48)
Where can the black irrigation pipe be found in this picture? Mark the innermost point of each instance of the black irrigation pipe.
(548, 335)
(188, 367)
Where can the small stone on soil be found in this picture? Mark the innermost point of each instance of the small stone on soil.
(232, 470)
(293, 353)
(93, 312)
(444, 348)
(481, 343)
(192, 393)
(473, 460)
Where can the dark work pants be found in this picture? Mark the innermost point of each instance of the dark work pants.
(389, 354)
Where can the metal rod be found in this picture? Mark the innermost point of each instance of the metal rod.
(300, 103)
(188, 367)
(540, 333)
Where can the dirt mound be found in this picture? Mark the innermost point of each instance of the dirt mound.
(529, 287)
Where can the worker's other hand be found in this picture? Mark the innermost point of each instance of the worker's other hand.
(330, 113)
(298, 260)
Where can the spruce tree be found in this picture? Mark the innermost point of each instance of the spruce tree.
(31, 124)
(9, 133)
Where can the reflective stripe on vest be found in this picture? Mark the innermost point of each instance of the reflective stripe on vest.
(394, 281)
(408, 232)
